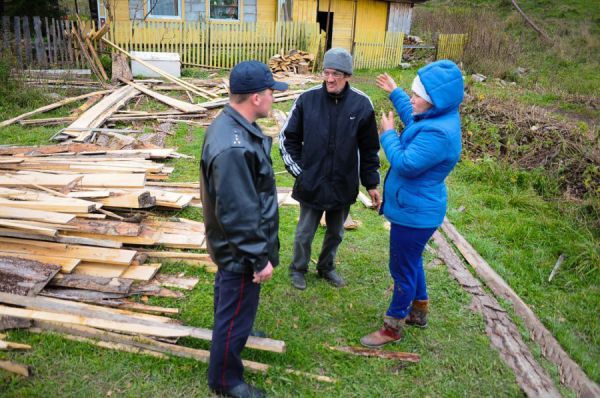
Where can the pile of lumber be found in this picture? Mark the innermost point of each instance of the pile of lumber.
(294, 61)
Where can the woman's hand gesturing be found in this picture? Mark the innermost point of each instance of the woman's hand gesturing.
(387, 122)
(386, 83)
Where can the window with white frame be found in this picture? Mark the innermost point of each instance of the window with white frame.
(225, 9)
(164, 8)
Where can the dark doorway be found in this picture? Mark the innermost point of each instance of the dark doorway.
(322, 20)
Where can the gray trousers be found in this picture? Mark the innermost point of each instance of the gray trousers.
(305, 233)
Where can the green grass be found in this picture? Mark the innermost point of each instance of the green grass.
(456, 356)
(518, 232)
(566, 66)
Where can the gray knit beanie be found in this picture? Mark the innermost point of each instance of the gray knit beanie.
(338, 59)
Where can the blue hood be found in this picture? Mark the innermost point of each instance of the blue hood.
(444, 83)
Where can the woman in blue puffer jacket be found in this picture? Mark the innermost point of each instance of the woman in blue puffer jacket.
(415, 195)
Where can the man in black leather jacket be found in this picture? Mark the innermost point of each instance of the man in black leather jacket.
(239, 202)
(328, 141)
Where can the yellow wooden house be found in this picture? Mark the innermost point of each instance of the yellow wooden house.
(357, 25)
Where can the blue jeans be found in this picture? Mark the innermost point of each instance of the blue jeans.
(406, 267)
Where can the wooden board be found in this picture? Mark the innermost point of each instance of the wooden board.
(86, 253)
(79, 281)
(58, 306)
(52, 217)
(186, 283)
(107, 227)
(8, 345)
(57, 205)
(97, 114)
(100, 270)
(122, 326)
(24, 277)
(182, 241)
(67, 264)
(141, 272)
(172, 102)
(52, 106)
(14, 367)
(23, 226)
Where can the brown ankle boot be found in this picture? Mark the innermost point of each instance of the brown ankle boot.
(418, 314)
(391, 331)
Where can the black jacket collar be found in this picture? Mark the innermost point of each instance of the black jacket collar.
(251, 127)
(339, 96)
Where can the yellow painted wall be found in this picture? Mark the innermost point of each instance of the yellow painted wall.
(266, 11)
(371, 16)
(343, 16)
(120, 9)
(304, 10)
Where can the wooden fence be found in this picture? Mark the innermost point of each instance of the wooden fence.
(216, 44)
(48, 42)
(451, 46)
(43, 43)
(378, 49)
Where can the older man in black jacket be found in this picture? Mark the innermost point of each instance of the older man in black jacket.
(328, 141)
(239, 201)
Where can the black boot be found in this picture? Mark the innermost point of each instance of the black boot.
(332, 277)
(243, 390)
(298, 280)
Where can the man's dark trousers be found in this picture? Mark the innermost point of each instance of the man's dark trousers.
(235, 305)
(305, 233)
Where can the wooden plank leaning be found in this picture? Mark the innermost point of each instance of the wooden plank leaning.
(97, 114)
(54, 310)
(157, 346)
(173, 102)
(52, 106)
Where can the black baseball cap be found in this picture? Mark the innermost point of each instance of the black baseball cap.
(253, 77)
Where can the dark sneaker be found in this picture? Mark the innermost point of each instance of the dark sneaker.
(258, 333)
(298, 280)
(243, 390)
(333, 278)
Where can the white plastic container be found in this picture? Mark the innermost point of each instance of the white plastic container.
(167, 62)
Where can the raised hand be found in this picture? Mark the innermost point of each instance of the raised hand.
(386, 83)
(387, 122)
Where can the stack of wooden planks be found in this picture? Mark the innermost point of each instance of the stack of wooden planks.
(294, 61)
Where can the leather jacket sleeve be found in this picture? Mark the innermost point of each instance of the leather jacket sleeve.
(291, 139)
(368, 146)
(238, 208)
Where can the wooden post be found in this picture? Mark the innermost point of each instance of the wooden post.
(40, 52)
(27, 37)
(72, 58)
(49, 45)
(18, 42)
(54, 41)
(6, 34)
(60, 44)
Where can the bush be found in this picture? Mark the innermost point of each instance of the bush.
(490, 49)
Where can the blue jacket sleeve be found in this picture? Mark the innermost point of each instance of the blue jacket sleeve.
(237, 206)
(291, 140)
(426, 150)
(401, 102)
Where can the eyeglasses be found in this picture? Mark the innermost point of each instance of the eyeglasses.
(335, 74)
